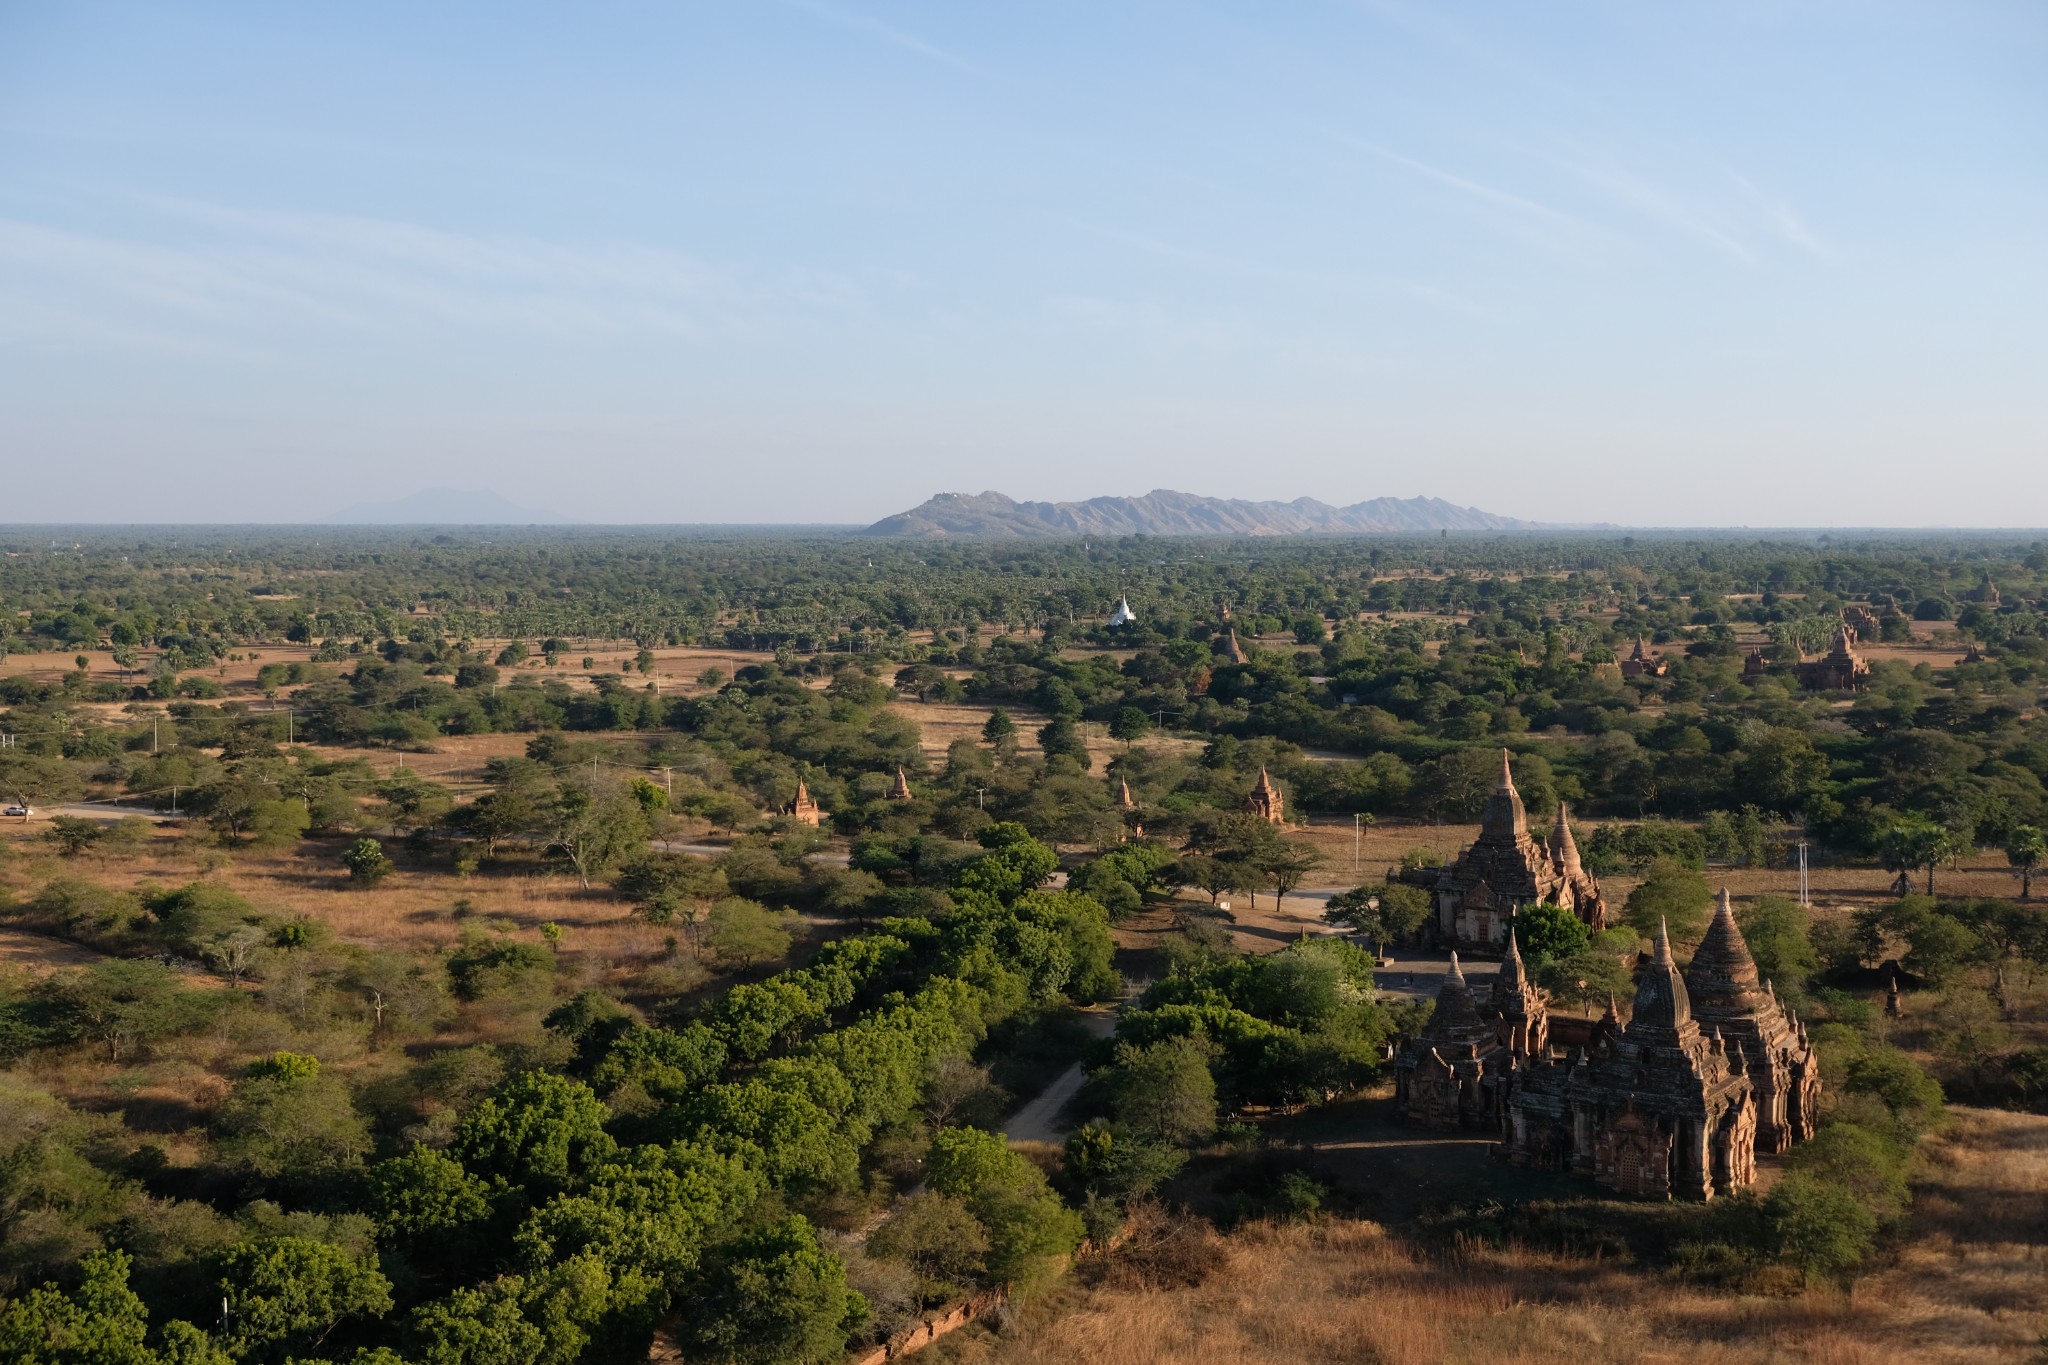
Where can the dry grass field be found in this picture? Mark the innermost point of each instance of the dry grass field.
(1970, 1284)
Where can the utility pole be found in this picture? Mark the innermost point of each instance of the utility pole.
(153, 718)
(1357, 837)
(1805, 887)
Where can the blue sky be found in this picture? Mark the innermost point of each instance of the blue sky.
(1663, 264)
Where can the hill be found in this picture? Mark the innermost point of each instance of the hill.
(445, 507)
(1163, 512)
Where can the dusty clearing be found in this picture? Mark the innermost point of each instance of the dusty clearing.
(39, 954)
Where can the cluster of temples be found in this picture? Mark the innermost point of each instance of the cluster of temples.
(1709, 1069)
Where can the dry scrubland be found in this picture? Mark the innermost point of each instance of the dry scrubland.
(1972, 1285)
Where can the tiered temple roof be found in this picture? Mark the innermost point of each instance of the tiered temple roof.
(1666, 1109)
(1729, 996)
(1506, 870)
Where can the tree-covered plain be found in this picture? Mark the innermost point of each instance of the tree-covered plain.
(471, 1155)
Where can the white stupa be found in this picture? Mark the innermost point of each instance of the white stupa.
(1123, 615)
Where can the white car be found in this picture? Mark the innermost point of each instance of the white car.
(19, 812)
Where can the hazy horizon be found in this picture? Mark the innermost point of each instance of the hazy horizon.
(1773, 266)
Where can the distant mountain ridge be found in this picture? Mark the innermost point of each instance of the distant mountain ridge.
(1163, 512)
(445, 507)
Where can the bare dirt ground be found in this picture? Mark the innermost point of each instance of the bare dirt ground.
(39, 954)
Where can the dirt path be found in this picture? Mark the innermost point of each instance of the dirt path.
(39, 954)
(1039, 1120)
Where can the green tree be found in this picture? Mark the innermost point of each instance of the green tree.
(1897, 1082)
(366, 863)
(1062, 737)
(74, 834)
(1672, 894)
(2026, 848)
(1216, 877)
(743, 932)
(29, 779)
(598, 827)
(1777, 930)
(773, 1296)
(286, 1120)
(1129, 725)
(424, 1200)
(1287, 867)
(1027, 1225)
(1547, 933)
(121, 1003)
(1164, 1091)
(539, 1130)
(284, 1295)
(662, 884)
(938, 1238)
(999, 732)
(1969, 1031)
(1914, 843)
(1822, 1229)
(102, 1323)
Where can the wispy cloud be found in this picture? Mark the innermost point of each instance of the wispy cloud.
(1198, 258)
(1158, 327)
(1654, 203)
(1784, 220)
(890, 34)
(228, 273)
(1487, 193)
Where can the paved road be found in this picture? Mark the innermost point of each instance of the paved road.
(106, 811)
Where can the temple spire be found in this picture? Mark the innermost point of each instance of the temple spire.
(1722, 976)
(1504, 820)
(1662, 1004)
(1564, 849)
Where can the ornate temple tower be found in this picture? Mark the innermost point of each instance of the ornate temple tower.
(1265, 801)
(802, 808)
(1728, 997)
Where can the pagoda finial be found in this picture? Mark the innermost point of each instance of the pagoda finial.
(1663, 943)
(1507, 776)
(1456, 971)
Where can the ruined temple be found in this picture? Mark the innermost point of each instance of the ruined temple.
(1231, 649)
(900, 791)
(1863, 622)
(1841, 670)
(1668, 1107)
(1507, 870)
(1727, 997)
(1265, 801)
(1456, 1072)
(802, 808)
(1642, 664)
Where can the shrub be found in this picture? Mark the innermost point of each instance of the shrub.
(366, 862)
